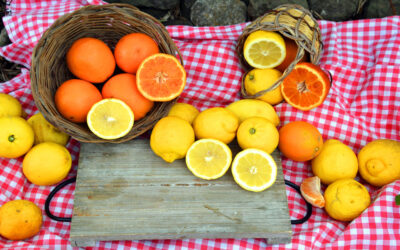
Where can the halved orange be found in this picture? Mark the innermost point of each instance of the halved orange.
(306, 86)
(310, 189)
(161, 77)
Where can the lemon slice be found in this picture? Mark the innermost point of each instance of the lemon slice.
(110, 119)
(254, 170)
(264, 49)
(208, 159)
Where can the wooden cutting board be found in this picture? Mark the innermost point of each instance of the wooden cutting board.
(125, 192)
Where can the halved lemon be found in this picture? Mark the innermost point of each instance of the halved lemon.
(208, 159)
(110, 119)
(254, 170)
(264, 49)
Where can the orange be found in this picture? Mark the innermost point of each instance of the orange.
(161, 77)
(310, 189)
(300, 141)
(123, 86)
(74, 98)
(291, 52)
(132, 49)
(90, 59)
(306, 86)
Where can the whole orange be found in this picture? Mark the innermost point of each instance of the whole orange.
(291, 52)
(90, 59)
(74, 98)
(123, 86)
(132, 49)
(300, 141)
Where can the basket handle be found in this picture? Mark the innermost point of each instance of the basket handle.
(50, 197)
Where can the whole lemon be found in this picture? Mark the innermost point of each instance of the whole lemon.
(46, 163)
(44, 131)
(246, 108)
(16, 136)
(258, 132)
(346, 199)
(216, 123)
(185, 111)
(335, 161)
(9, 106)
(379, 162)
(20, 219)
(257, 80)
(171, 138)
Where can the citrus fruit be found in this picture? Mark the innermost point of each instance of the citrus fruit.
(216, 123)
(310, 189)
(306, 86)
(20, 219)
(254, 169)
(74, 98)
(264, 49)
(90, 59)
(258, 132)
(379, 162)
(123, 87)
(346, 199)
(246, 108)
(300, 141)
(132, 49)
(161, 77)
(291, 52)
(171, 138)
(208, 159)
(9, 106)
(110, 119)
(44, 131)
(184, 110)
(335, 161)
(16, 136)
(257, 80)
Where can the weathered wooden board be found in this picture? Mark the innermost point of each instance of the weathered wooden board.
(125, 192)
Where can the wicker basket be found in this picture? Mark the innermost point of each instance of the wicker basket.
(108, 23)
(291, 21)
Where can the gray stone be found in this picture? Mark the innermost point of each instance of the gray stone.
(335, 10)
(159, 4)
(260, 7)
(381, 8)
(216, 13)
(4, 40)
(185, 7)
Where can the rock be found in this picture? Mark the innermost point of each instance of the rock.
(159, 4)
(335, 10)
(380, 8)
(216, 13)
(185, 7)
(179, 21)
(4, 40)
(260, 7)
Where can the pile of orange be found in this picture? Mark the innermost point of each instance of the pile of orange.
(147, 76)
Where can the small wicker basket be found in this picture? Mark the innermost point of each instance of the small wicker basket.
(291, 21)
(108, 23)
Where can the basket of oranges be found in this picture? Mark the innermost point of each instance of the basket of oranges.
(274, 44)
(106, 73)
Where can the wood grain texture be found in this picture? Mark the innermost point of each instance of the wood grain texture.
(125, 192)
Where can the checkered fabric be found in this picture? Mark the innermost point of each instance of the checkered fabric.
(363, 104)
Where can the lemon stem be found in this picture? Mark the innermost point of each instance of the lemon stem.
(251, 77)
(252, 131)
(11, 138)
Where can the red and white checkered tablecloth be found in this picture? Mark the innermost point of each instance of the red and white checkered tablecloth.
(363, 104)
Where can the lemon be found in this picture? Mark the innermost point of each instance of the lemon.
(110, 119)
(254, 169)
(171, 138)
(346, 199)
(46, 164)
(258, 132)
(335, 161)
(379, 162)
(20, 219)
(184, 110)
(264, 49)
(16, 136)
(9, 106)
(44, 131)
(246, 108)
(216, 123)
(258, 80)
(208, 159)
